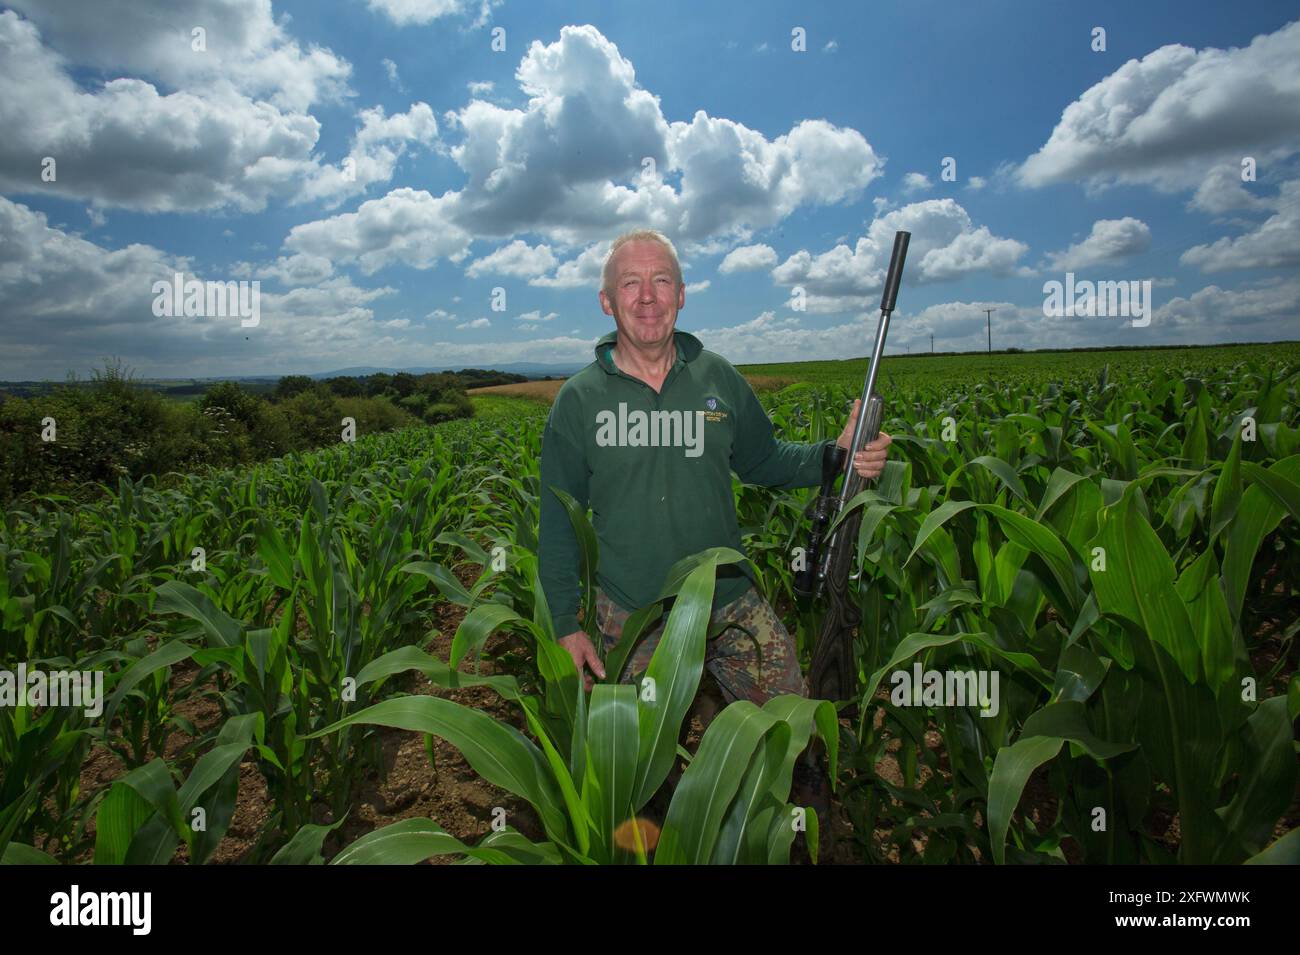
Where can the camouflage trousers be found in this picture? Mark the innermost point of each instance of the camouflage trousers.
(742, 669)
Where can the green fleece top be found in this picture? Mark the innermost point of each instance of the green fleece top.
(655, 469)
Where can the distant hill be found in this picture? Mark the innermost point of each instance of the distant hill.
(527, 368)
(178, 385)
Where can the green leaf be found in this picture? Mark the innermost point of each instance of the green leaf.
(176, 597)
(675, 670)
(499, 753)
(1138, 584)
(711, 781)
(18, 854)
(612, 743)
(305, 846)
(415, 840)
(1267, 784)
(1012, 767)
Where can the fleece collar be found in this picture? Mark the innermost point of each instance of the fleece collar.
(688, 349)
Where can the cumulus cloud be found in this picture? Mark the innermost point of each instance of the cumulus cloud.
(536, 316)
(945, 245)
(377, 146)
(1254, 313)
(583, 271)
(1275, 243)
(1109, 241)
(407, 225)
(747, 258)
(246, 50)
(69, 302)
(476, 323)
(518, 259)
(1163, 119)
(768, 338)
(1222, 190)
(297, 269)
(422, 12)
(693, 288)
(976, 183)
(570, 166)
(915, 182)
(204, 146)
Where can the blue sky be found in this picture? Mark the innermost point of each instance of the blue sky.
(381, 171)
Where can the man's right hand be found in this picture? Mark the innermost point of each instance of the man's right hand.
(579, 646)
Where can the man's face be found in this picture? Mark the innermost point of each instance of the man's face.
(646, 296)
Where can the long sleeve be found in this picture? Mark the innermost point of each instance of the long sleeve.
(563, 465)
(759, 458)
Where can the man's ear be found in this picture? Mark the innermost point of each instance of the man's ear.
(604, 302)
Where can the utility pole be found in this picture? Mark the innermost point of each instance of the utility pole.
(988, 319)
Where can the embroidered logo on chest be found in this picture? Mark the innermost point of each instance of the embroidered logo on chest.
(715, 412)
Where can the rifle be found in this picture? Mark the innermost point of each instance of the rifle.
(828, 561)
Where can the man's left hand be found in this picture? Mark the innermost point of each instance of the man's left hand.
(871, 459)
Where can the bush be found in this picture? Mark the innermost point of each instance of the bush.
(102, 430)
(291, 385)
(459, 407)
(375, 415)
(313, 419)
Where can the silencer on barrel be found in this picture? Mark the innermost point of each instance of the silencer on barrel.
(895, 275)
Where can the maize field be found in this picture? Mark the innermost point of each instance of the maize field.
(1113, 542)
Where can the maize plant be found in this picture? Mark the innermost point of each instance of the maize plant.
(1118, 545)
(597, 764)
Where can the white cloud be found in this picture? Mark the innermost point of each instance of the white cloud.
(747, 258)
(390, 68)
(422, 12)
(67, 302)
(518, 259)
(976, 183)
(376, 148)
(915, 182)
(694, 288)
(477, 323)
(480, 87)
(1273, 244)
(204, 146)
(297, 269)
(831, 46)
(569, 168)
(537, 316)
(407, 225)
(945, 245)
(1262, 313)
(247, 51)
(583, 271)
(1222, 190)
(768, 338)
(1165, 118)
(441, 315)
(1110, 240)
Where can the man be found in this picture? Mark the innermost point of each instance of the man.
(648, 435)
